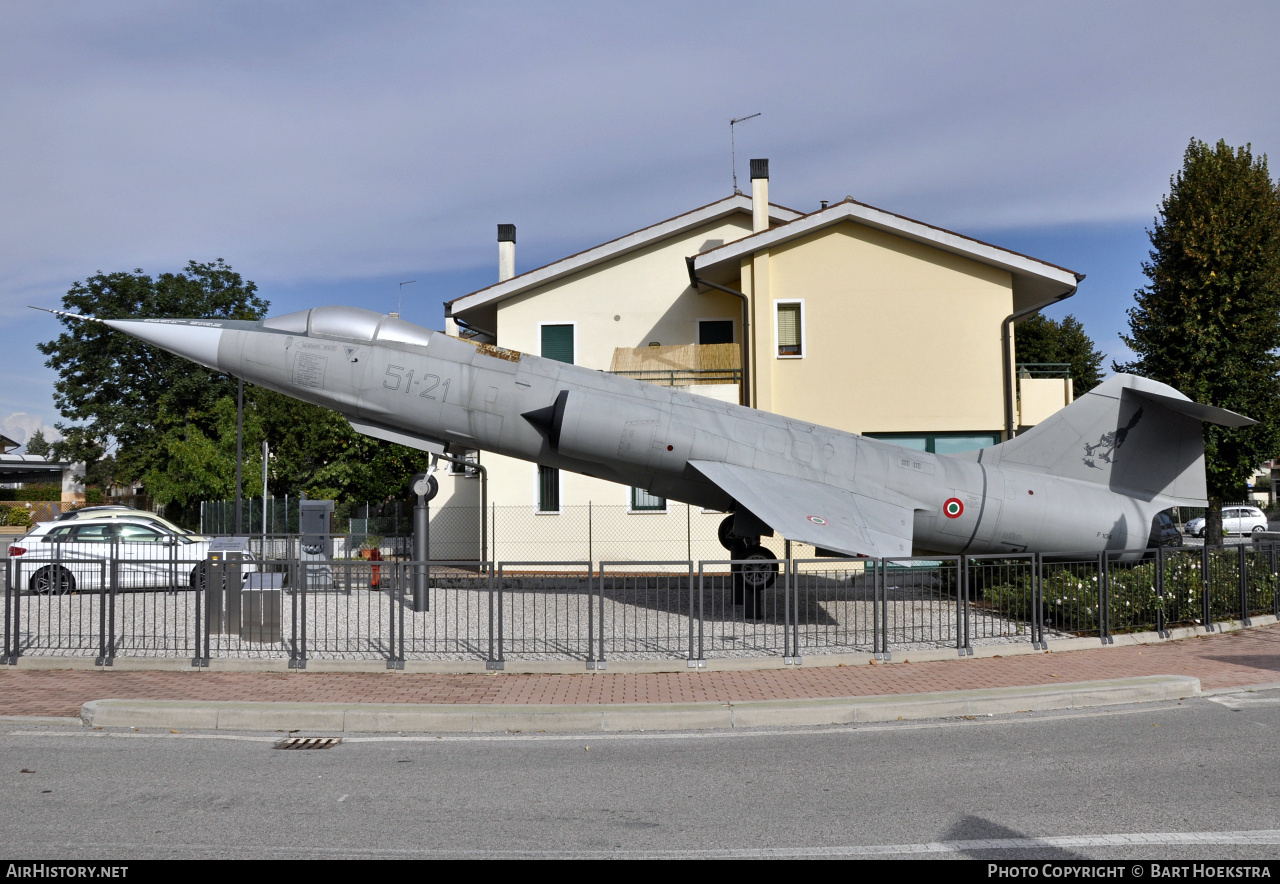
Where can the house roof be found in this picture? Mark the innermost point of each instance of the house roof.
(612, 249)
(1034, 281)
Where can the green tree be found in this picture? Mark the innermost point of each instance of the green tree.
(1039, 339)
(125, 396)
(1208, 320)
(36, 445)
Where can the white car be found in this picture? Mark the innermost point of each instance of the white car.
(1235, 520)
(123, 512)
(77, 555)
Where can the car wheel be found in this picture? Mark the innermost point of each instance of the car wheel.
(52, 580)
(200, 576)
(1258, 529)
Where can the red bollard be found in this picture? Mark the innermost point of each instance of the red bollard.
(375, 575)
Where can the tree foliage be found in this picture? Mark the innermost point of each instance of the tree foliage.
(1208, 320)
(1043, 340)
(118, 390)
(37, 445)
(142, 414)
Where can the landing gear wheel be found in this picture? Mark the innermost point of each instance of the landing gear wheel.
(755, 573)
(52, 580)
(728, 539)
(760, 569)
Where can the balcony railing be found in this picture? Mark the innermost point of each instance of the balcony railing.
(1044, 369)
(684, 377)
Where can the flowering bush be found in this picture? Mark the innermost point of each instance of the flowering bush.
(1071, 601)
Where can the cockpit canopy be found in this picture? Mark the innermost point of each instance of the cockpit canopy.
(349, 323)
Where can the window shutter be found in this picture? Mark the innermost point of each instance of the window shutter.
(789, 330)
(557, 343)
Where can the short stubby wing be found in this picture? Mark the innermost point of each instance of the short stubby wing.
(828, 517)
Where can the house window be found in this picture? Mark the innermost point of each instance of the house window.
(548, 490)
(470, 472)
(557, 342)
(644, 502)
(790, 329)
(715, 331)
(939, 443)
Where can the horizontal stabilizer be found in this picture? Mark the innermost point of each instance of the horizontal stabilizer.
(1207, 413)
(828, 517)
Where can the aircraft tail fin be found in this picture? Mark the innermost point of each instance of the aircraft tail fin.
(1136, 436)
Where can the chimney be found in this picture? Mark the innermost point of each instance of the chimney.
(759, 195)
(506, 251)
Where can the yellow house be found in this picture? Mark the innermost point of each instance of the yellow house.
(849, 317)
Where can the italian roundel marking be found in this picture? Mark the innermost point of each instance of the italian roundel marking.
(817, 520)
(953, 508)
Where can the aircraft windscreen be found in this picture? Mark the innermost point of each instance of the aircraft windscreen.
(289, 322)
(344, 322)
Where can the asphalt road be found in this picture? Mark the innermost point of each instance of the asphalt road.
(1192, 780)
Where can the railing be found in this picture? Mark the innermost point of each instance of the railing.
(684, 377)
(152, 602)
(1044, 369)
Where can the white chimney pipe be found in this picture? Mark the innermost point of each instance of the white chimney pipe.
(759, 195)
(506, 251)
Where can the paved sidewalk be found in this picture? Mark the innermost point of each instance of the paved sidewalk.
(1222, 660)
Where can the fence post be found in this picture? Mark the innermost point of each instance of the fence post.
(294, 589)
(1206, 610)
(200, 599)
(1104, 600)
(592, 588)
(1275, 596)
(1037, 603)
(1244, 585)
(9, 657)
(395, 659)
(1160, 615)
(109, 599)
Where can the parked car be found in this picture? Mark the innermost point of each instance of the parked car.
(1235, 520)
(115, 511)
(1164, 532)
(77, 555)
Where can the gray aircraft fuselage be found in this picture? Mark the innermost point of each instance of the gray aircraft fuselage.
(401, 382)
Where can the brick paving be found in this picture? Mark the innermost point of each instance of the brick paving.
(1235, 659)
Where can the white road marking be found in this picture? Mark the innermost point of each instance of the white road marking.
(1240, 701)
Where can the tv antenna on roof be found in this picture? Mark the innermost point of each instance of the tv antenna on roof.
(733, 157)
(400, 300)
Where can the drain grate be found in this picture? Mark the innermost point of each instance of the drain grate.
(308, 743)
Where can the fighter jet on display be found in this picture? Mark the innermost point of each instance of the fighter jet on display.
(1090, 478)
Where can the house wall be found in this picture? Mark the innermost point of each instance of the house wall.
(647, 289)
(899, 336)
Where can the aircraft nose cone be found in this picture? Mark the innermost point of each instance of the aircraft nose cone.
(192, 339)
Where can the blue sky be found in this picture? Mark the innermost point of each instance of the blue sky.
(331, 150)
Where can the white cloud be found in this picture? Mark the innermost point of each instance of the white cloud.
(19, 426)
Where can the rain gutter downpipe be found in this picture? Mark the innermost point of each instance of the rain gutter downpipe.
(695, 281)
(1006, 350)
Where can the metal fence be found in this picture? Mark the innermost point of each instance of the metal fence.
(143, 601)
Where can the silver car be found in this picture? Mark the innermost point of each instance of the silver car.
(1235, 520)
(79, 555)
